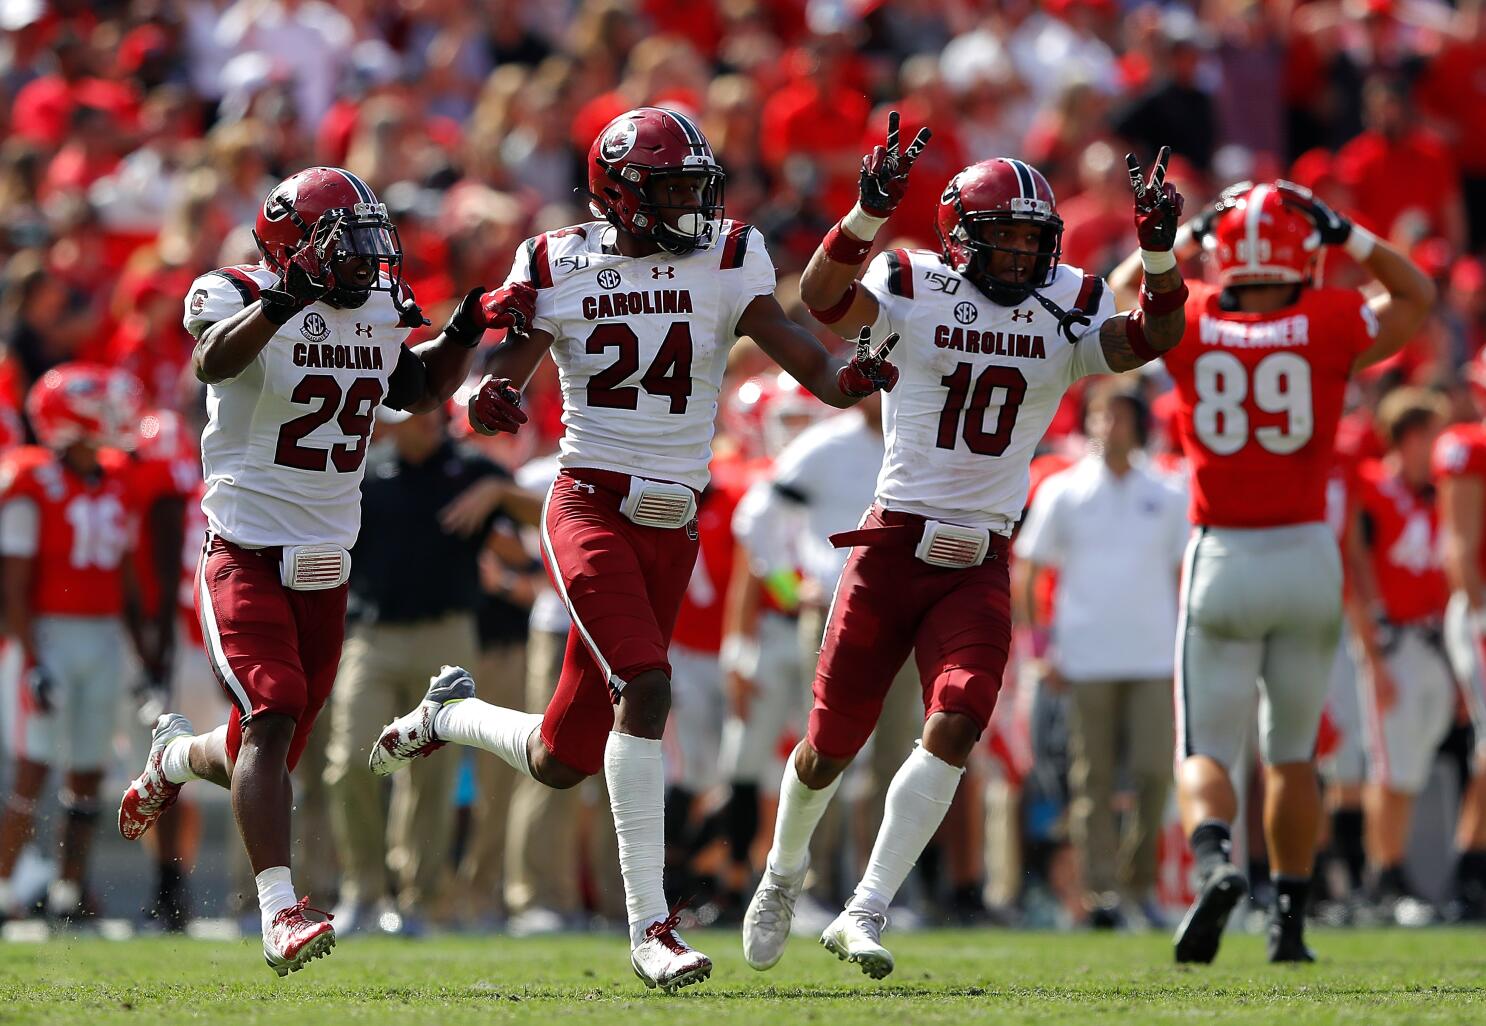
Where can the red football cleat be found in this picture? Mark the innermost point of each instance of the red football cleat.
(297, 935)
(150, 794)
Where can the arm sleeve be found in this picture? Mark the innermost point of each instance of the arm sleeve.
(20, 527)
(1038, 539)
(756, 277)
(408, 381)
(521, 270)
(876, 281)
(212, 297)
(1088, 351)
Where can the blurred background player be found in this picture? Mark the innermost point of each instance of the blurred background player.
(1260, 382)
(927, 571)
(1113, 634)
(1460, 471)
(296, 355)
(1397, 592)
(70, 587)
(667, 284)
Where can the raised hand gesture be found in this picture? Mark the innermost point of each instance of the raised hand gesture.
(885, 171)
(869, 371)
(1158, 206)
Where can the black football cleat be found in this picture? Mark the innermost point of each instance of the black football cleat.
(1288, 945)
(1201, 930)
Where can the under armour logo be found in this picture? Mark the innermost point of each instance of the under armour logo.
(1021, 315)
(363, 329)
(584, 486)
(656, 272)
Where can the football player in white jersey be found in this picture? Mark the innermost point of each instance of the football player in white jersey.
(994, 331)
(297, 352)
(639, 310)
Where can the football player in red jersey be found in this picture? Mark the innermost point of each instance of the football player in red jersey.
(639, 310)
(1396, 607)
(65, 536)
(997, 329)
(1260, 381)
(296, 352)
(1460, 471)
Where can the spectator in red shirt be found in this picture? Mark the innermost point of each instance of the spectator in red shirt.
(1097, 232)
(44, 107)
(1402, 177)
(815, 118)
(1453, 91)
(925, 101)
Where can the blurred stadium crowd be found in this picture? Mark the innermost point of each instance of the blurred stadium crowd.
(140, 137)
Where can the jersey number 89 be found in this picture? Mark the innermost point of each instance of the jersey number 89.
(1281, 384)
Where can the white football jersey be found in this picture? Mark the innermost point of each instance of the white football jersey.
(980, 383)
(641, 343)
(285, 440)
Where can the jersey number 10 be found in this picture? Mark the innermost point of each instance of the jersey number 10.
(1281, 384)
(977, 438)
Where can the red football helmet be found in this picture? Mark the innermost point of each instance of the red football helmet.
(768, 411)
(1262, 240)
(85, 402)
(994, 192)
(314, 199)
(632, 164)
(165, 436)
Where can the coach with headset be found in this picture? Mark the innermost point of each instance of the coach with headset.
(1114, 528)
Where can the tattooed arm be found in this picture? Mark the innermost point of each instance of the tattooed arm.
(1162, 331)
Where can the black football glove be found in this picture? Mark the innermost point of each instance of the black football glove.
(1158, 206)
(1333, 228)
(306, 277)
(885, 172)
(869, 372)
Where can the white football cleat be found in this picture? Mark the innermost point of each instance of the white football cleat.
(150, 794)
(666, 961)
(412, 736)
(298, 935)
(771, 911)
(855, 936)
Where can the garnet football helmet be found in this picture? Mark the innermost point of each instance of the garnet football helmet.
(995, 192)
(1260, 239)
(635, 158)
(85, 402)
(321, 197)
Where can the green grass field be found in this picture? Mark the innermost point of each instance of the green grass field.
(1395, 977)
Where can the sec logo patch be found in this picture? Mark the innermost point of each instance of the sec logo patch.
(609, 278)
(314, 328)
(966, 313)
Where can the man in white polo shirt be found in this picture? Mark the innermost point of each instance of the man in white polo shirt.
(1114, 530)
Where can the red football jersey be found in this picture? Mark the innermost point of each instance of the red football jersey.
(1259, 397)
(83, 531)
(1460, 451)
(1401, 530)
(151, 481)
(699, 623)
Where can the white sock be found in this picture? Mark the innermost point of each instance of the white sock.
(502, 732)
(636, 776)
(175, 761)
(275, 893)
(917, 800)
(800, 810)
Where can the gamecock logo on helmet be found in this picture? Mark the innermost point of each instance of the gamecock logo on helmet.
(619, 141)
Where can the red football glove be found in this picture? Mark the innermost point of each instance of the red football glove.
(868, 372)
(496, 407)
(1158, 206)
(885, 173)
(510, 306)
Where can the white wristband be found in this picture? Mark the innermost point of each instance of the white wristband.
(1360, 243)
(1157, 261)
(861, 224)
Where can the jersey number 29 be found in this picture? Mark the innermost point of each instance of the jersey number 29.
(1281, 384)
(353, 417)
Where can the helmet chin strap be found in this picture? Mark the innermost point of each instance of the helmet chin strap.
(1067, 319)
